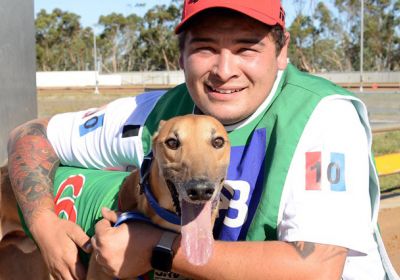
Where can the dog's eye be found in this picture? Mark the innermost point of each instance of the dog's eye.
(218, 142)
(172, 143)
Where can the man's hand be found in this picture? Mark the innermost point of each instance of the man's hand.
(58, 241)
(124, 251)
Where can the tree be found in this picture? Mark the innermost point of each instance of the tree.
(159, 43)
(61, 43)
(331, 41)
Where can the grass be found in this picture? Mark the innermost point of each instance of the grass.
(387, 143)
(51, 102)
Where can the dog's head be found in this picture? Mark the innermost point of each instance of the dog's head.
(192, 154)
(191, 157)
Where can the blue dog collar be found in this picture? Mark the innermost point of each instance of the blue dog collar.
(144, 183)
(131, 216)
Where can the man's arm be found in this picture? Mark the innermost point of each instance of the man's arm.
(267, 260)
(32, 163)
(130, 256)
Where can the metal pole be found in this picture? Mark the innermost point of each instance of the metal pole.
(362, 47)
(96, 89)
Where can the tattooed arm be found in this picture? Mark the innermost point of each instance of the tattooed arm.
(32, 164)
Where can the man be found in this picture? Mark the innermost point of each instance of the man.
(303, 186)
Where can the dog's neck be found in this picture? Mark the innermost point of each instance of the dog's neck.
(148, 181)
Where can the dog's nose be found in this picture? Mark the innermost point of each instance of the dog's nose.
(199, 190)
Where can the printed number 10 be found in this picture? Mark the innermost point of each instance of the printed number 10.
(335, 171)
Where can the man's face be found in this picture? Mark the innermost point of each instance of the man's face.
(230, 65)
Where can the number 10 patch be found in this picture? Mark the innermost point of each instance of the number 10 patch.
(334, 171)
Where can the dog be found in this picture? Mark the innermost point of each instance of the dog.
(185, 176)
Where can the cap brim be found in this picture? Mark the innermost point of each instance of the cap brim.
(250, 12)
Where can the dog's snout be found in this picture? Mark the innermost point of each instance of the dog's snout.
(200, 190)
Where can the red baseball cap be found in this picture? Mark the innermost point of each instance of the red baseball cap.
(269, 12)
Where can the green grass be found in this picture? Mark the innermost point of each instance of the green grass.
(387, 143)
(389, 182)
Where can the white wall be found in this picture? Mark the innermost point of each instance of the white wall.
(75, 79)
(88, 78)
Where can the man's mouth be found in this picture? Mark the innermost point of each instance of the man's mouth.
(224, 91)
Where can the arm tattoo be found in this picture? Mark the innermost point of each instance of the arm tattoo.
(32, 165)
(304, 249)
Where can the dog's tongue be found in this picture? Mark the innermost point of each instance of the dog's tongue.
(196, 232)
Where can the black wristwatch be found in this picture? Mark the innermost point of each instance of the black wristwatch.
(161, 258)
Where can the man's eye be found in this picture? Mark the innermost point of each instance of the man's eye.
(204, 50)
(246, 50)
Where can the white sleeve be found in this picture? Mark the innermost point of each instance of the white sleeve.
(326, 193)
(95, 138)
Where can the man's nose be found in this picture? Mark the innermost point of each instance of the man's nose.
(226, 66)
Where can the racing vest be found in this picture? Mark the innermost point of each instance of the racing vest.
(262, 151)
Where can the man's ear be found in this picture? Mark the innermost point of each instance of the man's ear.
(283, 55)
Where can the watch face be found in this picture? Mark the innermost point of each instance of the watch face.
(161, 259)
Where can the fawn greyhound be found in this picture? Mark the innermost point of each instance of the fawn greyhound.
(185, 177)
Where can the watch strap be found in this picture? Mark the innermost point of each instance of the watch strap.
(167, 240)
(162, 255)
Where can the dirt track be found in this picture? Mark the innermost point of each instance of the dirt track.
(389, 221)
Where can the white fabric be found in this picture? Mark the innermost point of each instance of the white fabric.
(114, 151)
(326, 216)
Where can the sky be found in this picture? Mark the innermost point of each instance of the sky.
(90, 10)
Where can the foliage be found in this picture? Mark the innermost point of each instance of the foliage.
(328, 40)
(61, 42)
(325, 39)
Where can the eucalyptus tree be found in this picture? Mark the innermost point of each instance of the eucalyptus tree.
(159, 43)
(60, 42)
(382, 21)
(111, 38)
(329, 37)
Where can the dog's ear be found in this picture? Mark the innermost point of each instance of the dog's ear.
(160, 125)
(162, 122)
(155, 135)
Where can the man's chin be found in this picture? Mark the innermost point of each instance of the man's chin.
(228, 119)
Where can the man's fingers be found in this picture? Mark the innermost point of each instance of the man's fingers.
(80, 238)
(101, 227)
(110, 215)
(78, 271)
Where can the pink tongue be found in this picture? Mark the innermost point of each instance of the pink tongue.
(196, 232)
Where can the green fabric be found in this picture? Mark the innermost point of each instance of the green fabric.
(100, 189)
